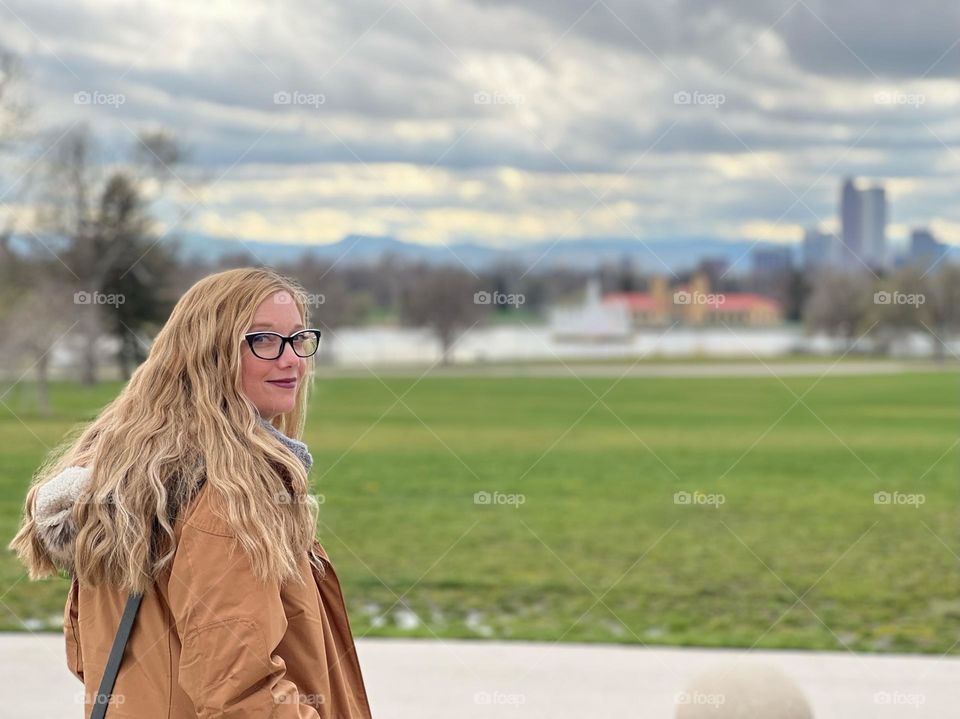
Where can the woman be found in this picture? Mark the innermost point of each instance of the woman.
(191, 487)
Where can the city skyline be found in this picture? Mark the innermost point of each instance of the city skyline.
(861, 242)
(508, 123)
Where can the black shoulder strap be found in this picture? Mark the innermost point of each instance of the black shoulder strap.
(116, 654)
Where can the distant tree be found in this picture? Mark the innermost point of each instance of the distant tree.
(839, 305)
(106, 245)
(898, 306)
(157, 153)
(133, 267)
(505, 279)
(383, 281)
(555, 285)
(64, 214)
(944, 303)
(442, 299)
(796, 294)
(34, 320)
(33, 315)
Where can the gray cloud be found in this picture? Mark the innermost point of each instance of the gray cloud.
(833, 38)
(590, 93)
(896, 40)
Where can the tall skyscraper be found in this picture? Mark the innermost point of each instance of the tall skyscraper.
(863, 227)
(873, 227)
(851, 216)
(820, 249)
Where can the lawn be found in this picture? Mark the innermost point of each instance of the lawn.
(783, 544)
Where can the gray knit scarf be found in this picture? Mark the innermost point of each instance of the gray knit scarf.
(298, 448)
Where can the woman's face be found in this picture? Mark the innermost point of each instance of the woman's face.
(277, 313)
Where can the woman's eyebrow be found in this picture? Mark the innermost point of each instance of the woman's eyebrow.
(269, 326)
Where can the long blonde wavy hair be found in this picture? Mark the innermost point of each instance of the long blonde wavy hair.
(182, 421)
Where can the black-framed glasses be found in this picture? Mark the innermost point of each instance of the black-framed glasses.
(270, 345)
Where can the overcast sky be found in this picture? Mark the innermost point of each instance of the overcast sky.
(504, 122)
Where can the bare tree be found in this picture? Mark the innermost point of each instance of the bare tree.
(442, 299)
(64, 216)
(157, 153)
(99, 226)
(944, 302)
(839, 305)
(381, 283)
(34, 320)
(899, 306)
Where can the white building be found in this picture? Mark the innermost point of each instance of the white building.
(591, 321)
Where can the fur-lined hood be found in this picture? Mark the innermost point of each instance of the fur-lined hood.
(53, 512)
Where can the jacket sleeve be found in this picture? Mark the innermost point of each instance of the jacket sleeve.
(230, 625)
(71, 631)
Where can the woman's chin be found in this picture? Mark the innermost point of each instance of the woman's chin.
(277, 408)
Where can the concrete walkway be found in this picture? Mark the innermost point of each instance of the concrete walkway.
(417, 679)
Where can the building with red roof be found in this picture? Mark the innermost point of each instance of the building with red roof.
(695, 304)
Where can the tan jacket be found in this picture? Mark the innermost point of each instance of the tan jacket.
(212, 641)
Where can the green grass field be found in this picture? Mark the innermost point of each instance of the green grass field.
(798, 555)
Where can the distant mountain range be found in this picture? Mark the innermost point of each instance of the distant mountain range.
(677, 254)
(648, 256)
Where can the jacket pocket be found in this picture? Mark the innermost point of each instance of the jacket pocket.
(71, 630)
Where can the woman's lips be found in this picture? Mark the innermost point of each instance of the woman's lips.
(285, 383)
